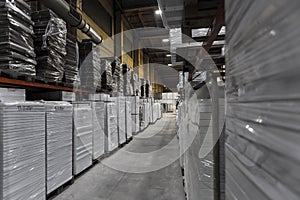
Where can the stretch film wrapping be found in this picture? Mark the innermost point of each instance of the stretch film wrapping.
(111, 127)
(59, 116)
(121, 113)
(22, 151)
(128, 120)
(16, 43)
(197, 131)
(50, 45)
(98, 129)
(135, 104)
(135, 123)
(262, 146)
(82, 137)
(12, 94)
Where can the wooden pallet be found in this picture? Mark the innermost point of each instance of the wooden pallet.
(61, 189)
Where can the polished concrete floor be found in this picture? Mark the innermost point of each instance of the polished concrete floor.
(145, 169)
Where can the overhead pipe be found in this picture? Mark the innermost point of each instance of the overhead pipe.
(73, 17)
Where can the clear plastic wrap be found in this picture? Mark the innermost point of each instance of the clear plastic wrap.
(50, 45)
(90, 68)
(135, 83)
(107, 77)
(12, 94)
(71, 63)
(22, 151)
(98, 129)
(128, 121)
(59, 144)
(121, 113)
(111, 127)
(16, 43)
(82, 136)
(262, 81)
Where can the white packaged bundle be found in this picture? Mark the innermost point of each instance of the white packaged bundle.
(135, 104)
(98, 129)
(83, 136)
(59, 121)
(111, 141)
(128, 120)
(121, 113)
(135, 123)
(22, 151)
(12, 94)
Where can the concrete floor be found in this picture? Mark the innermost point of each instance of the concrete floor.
(144, 176)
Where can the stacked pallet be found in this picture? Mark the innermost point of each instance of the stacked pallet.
(59, 144)
(262, 81)
(135, 110)
(82, 137)
(16, 43)
(50, 45)
(111, 127)
(22, 151)
(90, 65)
(106, 75)
(128, 120)
(71, 66)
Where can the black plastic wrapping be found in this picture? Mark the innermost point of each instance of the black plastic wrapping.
(71, 65)
(50, 45)
(16, 42)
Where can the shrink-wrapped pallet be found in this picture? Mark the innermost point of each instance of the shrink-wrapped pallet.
(59, 116)
(82, 136)
(22, 151)
(111, 141)
(98, 129)
(128, 120)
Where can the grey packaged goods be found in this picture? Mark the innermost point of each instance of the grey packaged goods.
(50, 45)
(128, 120)
(135, 119)
(262, 81)
(106, 75)
(117, 77)
(111, 141)
(82, 136)
(98, 129)
(90, 65)
(71, 73)
(16, 42)
(121, 113)
(22, 151)
(59, 116)
(135, 104)
(135, 84)
(12, 94)
(127, 86)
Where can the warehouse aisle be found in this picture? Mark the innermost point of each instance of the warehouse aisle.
(105, 183)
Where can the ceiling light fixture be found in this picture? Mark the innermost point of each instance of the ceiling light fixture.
(165, 40)
(169, 55)
(170, 65)
(158, 12)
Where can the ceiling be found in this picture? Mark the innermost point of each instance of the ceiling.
(193, 14)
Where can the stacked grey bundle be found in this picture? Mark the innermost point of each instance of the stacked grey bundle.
(82, 136)
(121, 113)
(22, 151)
(12, 94)
(16, 42)
(135, 83)
(111, 127)
(128, 89)
(135, 110)
(128, 120)
(262, 81)
(59, 116)
(71, 66)
(90, 68)
(106, 73)
(50, 45)
(98, 129)
(117, 76)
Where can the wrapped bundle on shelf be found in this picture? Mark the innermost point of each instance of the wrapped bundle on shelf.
(22, 151)
(90, 67)
(111, 141)
(82, 137)
(50, 45)
(117, 77)
(128, 89)
(72, 57)
(106, 74)
(128, 120)
(135, 83)
(12, 94)
(16, 43)
(262, 82)
(98, 129)
(59, 116)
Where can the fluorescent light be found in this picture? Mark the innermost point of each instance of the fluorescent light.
(165, 40)
(170, 65)
(169, 55)
(158, 12)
